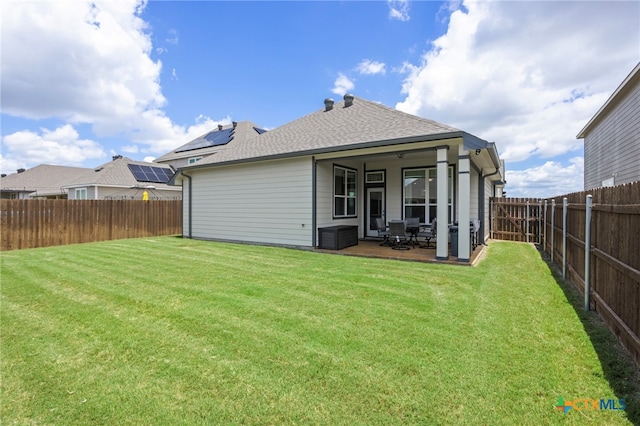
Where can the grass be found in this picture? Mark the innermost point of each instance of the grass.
(171, 331)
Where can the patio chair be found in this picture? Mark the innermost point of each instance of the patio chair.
(429, 234)
(383, 232)
(413, 227)
(398, 234)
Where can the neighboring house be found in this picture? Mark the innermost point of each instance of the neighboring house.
(612, 137)
(124, 179)
(43, 181)
(209, 144)
(346, 164)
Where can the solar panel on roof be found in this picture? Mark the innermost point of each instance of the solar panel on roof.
(221, 137)
(150, 173)
(215, 138)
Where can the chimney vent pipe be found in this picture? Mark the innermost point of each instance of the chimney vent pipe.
(328, 104)
(219, 126)
(348, 100)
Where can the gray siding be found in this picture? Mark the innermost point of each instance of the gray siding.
(267, 202)
(324, 179)
(612, 147)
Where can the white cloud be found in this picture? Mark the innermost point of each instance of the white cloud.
(342, 85)
(62, 145)
(548, 180)
(130, 149)
(85, 61)
(173, 36)
(523, 74)
(399, 9)
(368, 67)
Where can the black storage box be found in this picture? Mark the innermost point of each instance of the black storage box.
(338, 237)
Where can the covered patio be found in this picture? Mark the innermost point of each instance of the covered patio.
(372, 248)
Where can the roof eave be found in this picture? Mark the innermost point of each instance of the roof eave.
(622, 90)
(325, 150)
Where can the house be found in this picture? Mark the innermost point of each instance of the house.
(209, 144)
(612, 137)
(345, 164)
(124, 179)
(43, 181)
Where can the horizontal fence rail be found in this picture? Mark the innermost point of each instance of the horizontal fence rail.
(44, 223)
(594, 236)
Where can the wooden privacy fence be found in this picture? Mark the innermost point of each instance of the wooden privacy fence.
(597, 248)
(516, 219)
(44, 223)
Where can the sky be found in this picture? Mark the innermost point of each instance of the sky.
(82, 81)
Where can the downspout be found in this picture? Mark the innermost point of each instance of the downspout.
(482, 185)
(190, 198)
(314, 201)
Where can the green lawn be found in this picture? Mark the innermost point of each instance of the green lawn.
(171, 331)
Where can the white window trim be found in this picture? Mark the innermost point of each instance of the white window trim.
(79, 192)
(427, 204)
(346, 196)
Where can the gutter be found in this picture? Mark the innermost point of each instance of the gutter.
(335, 149)
(190, 199)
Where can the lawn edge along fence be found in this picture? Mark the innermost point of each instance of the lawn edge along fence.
(607, 264)
(44, 223)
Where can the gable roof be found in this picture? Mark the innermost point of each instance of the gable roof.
(116, 173)
(41, 180)
(210, 143)
(349, 124)
(625, 87)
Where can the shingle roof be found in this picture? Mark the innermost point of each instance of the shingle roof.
(115, 173)
(45, 179)
(361, 123)
(623, 89)
(243, 130)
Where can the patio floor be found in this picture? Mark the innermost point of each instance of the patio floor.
(372, 248)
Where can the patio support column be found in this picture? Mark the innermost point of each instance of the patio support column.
(442, 209)
(464, 207)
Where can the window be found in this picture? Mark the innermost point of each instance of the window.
(375, 177)
(420, 194)
(81, 194)
(344, 192)
(194, 159)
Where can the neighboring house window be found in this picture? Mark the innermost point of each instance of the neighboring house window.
(194, 159)
(344, 192)
(420, 194)
(81, 193)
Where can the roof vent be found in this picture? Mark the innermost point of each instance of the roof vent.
(348, 100)
(328, 104)
(219, 126)
(3, 175)
(116, 157)
(20, 170)
(235, 123)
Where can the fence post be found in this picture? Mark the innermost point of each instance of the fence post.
(491, 217)
(544, 227)
(587, 253)
(553, 226)
(527, 222)
(564, 237)
(540, 222)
